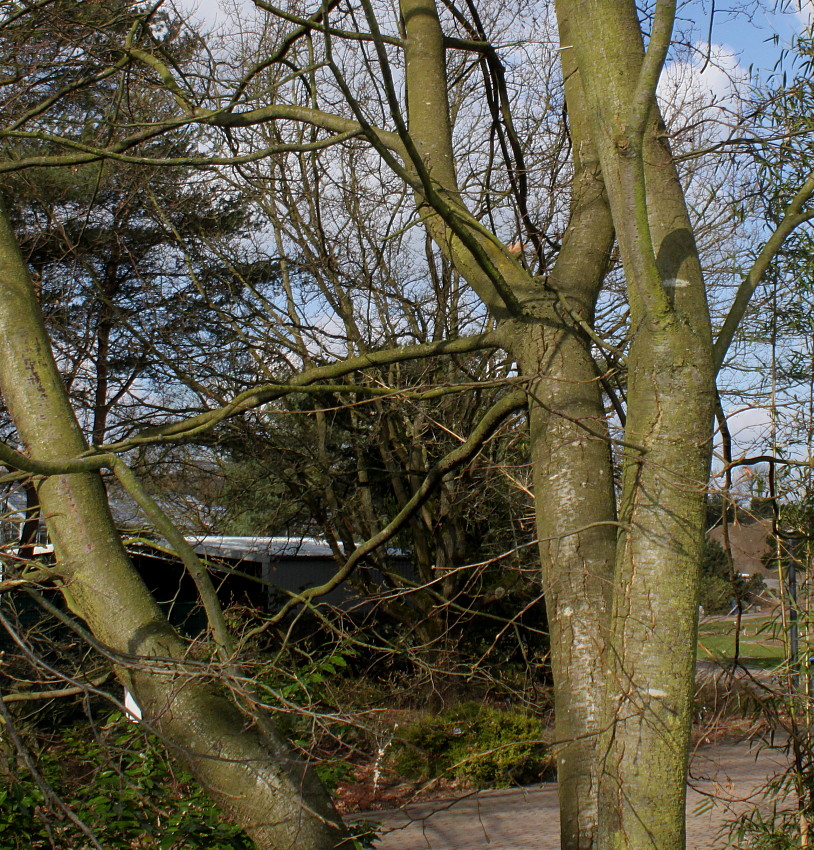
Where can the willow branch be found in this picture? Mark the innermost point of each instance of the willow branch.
(152, 511)
(83, 154)
(316, 23)
(165, 75)
(192, 161)
(277, 55)
(793, 216)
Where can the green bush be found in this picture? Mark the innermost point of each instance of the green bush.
(120, 784)
(715, 594)
(474, 743)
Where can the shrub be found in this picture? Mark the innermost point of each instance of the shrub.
(476, 744)
(118, 781)
(121, 785)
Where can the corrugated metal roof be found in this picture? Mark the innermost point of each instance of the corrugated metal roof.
(254, 548)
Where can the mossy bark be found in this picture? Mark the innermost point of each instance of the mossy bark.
(620, 593)
(667, 441)
(569, 440)
(575, 507)
(246, 768)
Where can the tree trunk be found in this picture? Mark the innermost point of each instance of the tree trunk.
(576, 519)
(654, 617)
(667, 437)
(247, 769)
(575, 523)
(575, 508)
(31, 522)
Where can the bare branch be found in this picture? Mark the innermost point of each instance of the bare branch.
(793, 216)
(491, 420)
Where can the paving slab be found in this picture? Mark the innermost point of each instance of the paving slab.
(725, 780)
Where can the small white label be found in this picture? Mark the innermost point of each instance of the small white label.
(131, 707)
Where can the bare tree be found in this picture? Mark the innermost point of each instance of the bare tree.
(620, 570)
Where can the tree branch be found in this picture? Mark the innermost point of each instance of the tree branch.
(257, 396)
(659, 44)
(74, 690)
(490, 421)
(793, 216)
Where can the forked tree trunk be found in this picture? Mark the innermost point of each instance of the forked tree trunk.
(623, 672)
(667, 438)
(569, 439)
(248, 771)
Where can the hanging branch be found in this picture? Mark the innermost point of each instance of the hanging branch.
(793, 216)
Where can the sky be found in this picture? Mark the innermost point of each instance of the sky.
(741, 41)
(212, 12)
(743, 45)
(747, 37)
(743, 49)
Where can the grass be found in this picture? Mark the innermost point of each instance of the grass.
(761, 641)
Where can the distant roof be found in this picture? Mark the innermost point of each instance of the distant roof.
(750, 542)
(13, 501)
(252, 548)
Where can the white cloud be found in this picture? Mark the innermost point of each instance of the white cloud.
(805, 13)
(702, 91)
(750, 427)
(712, 73)
(215, 13)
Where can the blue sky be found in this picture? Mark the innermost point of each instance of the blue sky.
(757, 40)
(750, 36)
(739, 42)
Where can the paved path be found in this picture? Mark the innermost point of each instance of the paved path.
(728, 776)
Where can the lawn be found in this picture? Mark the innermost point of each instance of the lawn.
(761, 641)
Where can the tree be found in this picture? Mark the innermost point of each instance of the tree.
(109, 244)
(319, 464)
(620, 570)
(244, 763)
(114, 283)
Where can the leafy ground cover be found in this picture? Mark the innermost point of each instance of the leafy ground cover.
(119, 787)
